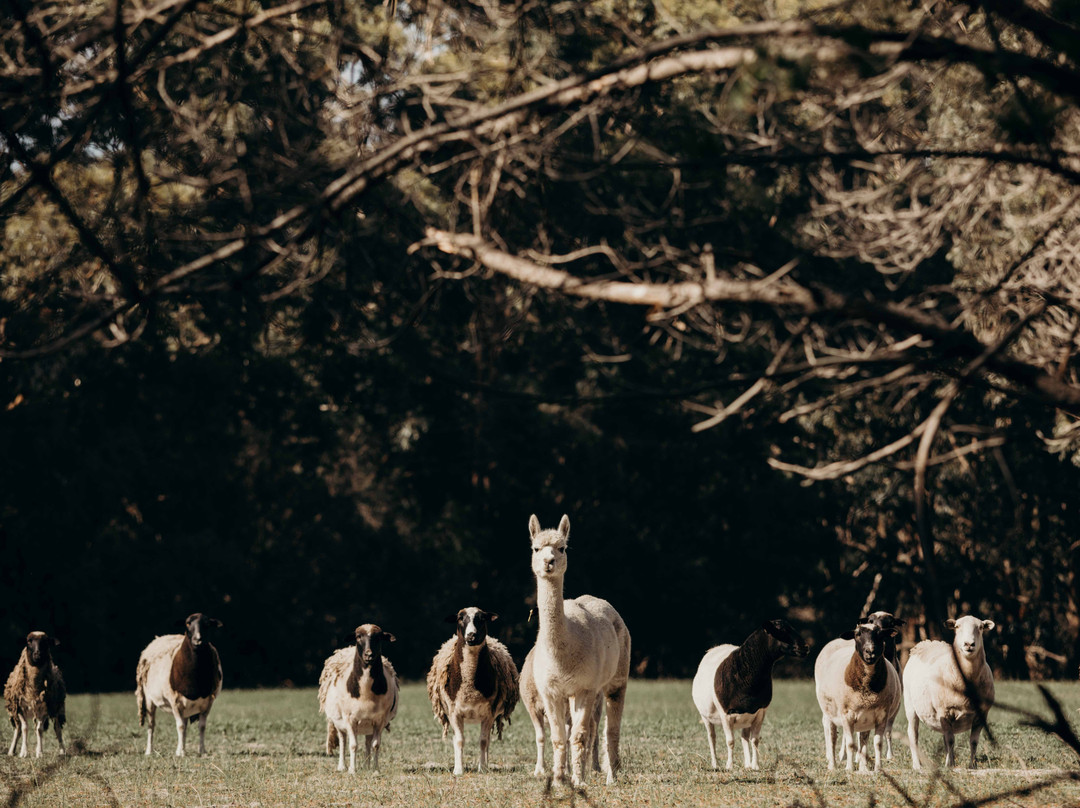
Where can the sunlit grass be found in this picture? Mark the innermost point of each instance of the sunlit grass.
(266, 750)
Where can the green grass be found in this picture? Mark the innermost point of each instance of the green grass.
(265, 749)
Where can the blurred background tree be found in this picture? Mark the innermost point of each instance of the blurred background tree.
(305, 307)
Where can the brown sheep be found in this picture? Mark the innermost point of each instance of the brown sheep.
(35, 690)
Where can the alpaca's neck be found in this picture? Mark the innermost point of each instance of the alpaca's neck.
(549, 606)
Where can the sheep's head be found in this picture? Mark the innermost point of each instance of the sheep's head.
(549, 548)
(38, 645)
(472, 624)
(200, 628)
(786, 638)
(885, 620)
(369, 642)
(869, 641)
(968, 641)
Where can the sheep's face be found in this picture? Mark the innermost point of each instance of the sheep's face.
(38, 645)
(200, 628)
(369, 642)
(968, 641)
(786, 638)
(549, 548)
(869, 642)
(472, 624)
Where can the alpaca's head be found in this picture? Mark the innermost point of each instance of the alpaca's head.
(549, 548)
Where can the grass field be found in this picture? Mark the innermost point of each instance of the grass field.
(265, 749)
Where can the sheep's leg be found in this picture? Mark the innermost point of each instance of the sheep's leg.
(710, 735)
(343, 741)
(616, 701)
(458, 726)
(755, 734)
(913, 738)
(747, 755)
(59, 735)
(556, 710)
(374, 741)
(950, 745)
(830, 741)
(39, 732)
(973, 742)
(151, 713)
(15, 737)
(485, 742)
(181, 732)
(25, 730)
(202, 731)
(352, 748)
(581, 710)
(888, 738)
(879, 739)
(849, 744)
(729, 737)
(594, 732)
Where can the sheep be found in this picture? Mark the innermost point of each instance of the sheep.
(891, 623)
(534, 706)
(472, 679)
(857, 689)
(733, 686)
(949, 687)
(35, 690)
(358, 693)
(182, 674)
(582, 654)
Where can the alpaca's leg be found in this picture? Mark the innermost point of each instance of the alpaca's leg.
(538, 729)
(557, 709)
(616, 701)
(581, 712)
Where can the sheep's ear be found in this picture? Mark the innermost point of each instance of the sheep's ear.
(215, 622)
(491, 616)
(564, 526)
(848, 635)
(388, 637)
(55, 642)
(769, 627)
(452, 618)
(534, 526)
(950, 624)
(988, 625)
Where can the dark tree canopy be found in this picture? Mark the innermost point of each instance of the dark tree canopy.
(305, 307)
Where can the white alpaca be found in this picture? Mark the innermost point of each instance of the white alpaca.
(582, 653)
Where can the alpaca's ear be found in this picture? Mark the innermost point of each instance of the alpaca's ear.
(534, 526)
(564, 526)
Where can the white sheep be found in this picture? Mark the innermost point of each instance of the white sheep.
(582, 654)
(35, 691)
(472, 679)
(733, 686)
(358, 692)
(949, 687)
(858, 690)
(182, 674)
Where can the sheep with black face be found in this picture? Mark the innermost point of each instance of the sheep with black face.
(182, 674)
(358, 693)
(472, 680)
(35, 692)
(733, 686)
(858, 690)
